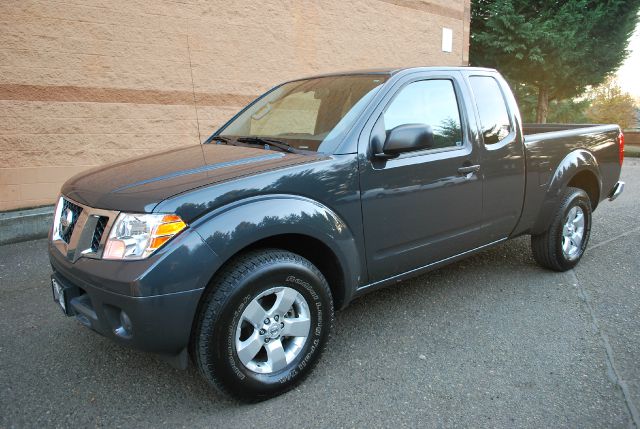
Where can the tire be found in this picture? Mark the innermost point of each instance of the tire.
(559, 248)
(234, 347)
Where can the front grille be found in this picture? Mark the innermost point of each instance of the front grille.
(66, 230)
(101, 224)
(79, 230)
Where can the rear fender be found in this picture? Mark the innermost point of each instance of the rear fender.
(575, 162)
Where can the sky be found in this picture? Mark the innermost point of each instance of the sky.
(629, 73)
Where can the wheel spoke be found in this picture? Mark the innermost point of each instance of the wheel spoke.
(297, 327)
(577, 236)
(578, 221)
(285, 300)
(254, 314)
(572, 214)
(566, 244)
(574, 246)
(276, 356)
(249, 348)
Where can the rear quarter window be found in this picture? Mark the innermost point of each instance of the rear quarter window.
(492, 108)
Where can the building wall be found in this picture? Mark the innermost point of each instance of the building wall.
(86, 82)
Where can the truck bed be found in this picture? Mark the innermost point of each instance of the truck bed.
(547, 146)
(529, 129)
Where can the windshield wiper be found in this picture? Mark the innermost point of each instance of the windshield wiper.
(222, 139)
(267, 142)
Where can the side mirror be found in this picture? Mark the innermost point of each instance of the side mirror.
(407, 138)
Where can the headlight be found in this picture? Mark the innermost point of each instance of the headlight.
(136, 236)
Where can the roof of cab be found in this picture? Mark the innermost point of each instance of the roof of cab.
(395, 70)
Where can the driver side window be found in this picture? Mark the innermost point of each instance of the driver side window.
(429, 102)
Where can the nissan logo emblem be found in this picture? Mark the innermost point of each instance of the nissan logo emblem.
(66, 219)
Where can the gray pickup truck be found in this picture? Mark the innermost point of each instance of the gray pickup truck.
(237, 251)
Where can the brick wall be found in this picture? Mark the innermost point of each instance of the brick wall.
(85, 82)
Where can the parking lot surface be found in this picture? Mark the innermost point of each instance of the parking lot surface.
(493, 340)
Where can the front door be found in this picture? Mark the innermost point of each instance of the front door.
(422, 206)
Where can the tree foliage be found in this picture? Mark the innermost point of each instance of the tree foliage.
(566, 111)
(611, 105)
(554, 48)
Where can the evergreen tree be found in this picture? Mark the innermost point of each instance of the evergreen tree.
(556, 48)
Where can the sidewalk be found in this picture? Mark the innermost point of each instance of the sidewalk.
(22, 225)
(632, 151)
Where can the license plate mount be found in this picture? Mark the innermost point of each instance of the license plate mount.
(60, 295)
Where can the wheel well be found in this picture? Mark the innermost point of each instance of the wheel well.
(316, 252)
(588, 182)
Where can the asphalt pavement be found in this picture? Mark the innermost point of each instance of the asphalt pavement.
(493, 340)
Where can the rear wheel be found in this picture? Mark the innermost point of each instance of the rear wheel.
(561, 247)
(263, 324)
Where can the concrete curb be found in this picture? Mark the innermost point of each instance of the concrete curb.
(23, 225)
(632, 151)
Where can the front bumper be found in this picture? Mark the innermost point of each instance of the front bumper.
(158, 324)
(148, 304)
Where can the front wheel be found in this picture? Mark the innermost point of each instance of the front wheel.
(563, 244)
(263, 324)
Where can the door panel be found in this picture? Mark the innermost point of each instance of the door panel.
(418, 208)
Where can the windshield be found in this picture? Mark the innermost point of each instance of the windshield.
(311, 114)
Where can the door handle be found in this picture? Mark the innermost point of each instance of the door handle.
(468, 170)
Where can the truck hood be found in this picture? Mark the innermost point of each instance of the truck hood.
(139, 184)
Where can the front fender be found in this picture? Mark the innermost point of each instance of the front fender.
(575, 162)
(232, 228)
